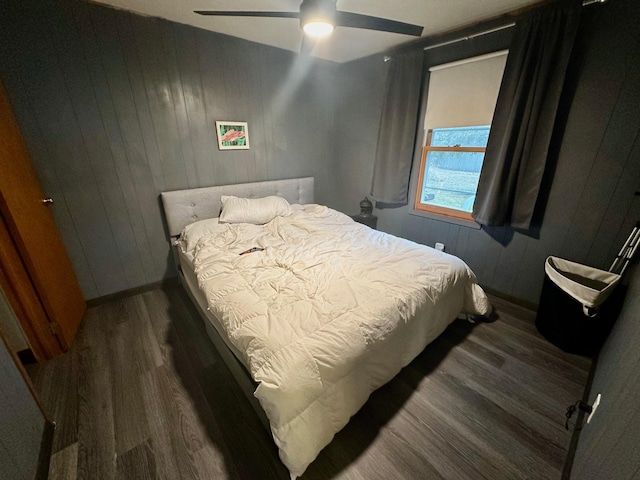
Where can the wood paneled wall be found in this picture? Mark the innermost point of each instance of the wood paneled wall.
(116, 108)
(21, 423)
(591, 207)
(608, 445)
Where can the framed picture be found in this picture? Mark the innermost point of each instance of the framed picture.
(232, 135)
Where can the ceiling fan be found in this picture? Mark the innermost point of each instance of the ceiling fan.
(319, 17)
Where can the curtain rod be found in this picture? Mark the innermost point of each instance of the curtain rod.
(469, 37)
(496, 29)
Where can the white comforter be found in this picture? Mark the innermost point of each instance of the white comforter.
(327, 313)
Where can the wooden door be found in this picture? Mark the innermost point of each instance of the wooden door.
(23, 299)
(34, 233)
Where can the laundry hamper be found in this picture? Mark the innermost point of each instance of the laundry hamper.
(578, 306)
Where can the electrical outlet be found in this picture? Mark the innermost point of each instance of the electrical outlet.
(594, 407)
(440, 246)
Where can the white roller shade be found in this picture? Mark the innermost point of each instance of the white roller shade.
(464, 93)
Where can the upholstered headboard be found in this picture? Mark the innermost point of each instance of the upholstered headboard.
(182, 207)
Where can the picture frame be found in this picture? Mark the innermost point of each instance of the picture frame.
(232, 135)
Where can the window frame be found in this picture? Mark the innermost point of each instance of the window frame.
(434, 209)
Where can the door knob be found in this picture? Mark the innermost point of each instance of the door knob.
(47, 201)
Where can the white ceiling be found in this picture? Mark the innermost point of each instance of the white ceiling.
(345, 44)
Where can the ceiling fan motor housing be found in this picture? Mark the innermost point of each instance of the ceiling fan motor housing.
(318, 11)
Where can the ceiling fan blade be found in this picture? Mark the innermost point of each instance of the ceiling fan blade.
(356, 20)
(230, 13)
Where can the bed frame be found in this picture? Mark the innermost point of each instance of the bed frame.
(182, 207)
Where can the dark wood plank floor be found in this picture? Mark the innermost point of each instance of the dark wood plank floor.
(143, 394)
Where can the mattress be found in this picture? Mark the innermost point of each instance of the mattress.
(324, 312)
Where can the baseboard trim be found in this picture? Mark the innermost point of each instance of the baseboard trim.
(510, 298)
(94, 302)
(46, 447)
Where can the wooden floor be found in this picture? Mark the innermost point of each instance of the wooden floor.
(143, 394)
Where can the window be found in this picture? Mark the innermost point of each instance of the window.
(460, 102)
(450, 170)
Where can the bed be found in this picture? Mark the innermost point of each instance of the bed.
(310, 310)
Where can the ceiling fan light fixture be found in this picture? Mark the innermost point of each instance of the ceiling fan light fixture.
(317, 29)
(318, 17)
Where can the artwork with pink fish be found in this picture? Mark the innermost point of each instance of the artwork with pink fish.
(232, 135)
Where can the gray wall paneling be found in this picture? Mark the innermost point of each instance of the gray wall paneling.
(98, 154)
(591, 207)
(619, 142)
(39, 146)
(112, 113)
(359, 90)
(116, 108)
(21, 423)
(123, 122)
(236, 80)
(143, 46)
(186, 42)
(215, 107)
(147, 110)
(605, 140)
(60, 127)
(181, 118)
(608, 445)
(257, 134)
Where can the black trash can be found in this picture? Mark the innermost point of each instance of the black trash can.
(578, 306)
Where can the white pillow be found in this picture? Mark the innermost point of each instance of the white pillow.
(257, 211)
(195, 231)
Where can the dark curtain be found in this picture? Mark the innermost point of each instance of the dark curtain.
(525, 114)
(396, 139)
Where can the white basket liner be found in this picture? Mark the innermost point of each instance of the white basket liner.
(589, 297)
